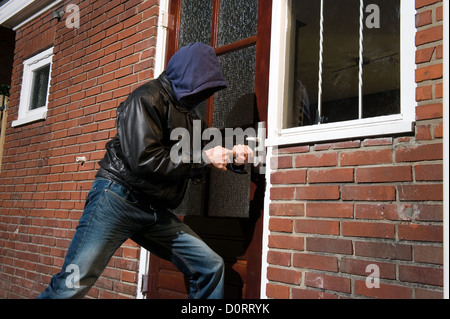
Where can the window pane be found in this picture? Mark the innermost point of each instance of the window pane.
(40, 87)
(229, 194)
(234, 106)
(195, 22)
(381, 76)
(237, 20)
(340, 60)
(341, 65)
(304, 87)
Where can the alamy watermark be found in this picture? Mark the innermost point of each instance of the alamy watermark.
(73, 19)
(373, 280)
(184, 152)
(73, 279)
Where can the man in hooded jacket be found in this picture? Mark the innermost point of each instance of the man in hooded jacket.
(138, 182)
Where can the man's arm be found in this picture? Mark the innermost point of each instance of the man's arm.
(144, 144)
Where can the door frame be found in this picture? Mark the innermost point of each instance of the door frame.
(167, 45)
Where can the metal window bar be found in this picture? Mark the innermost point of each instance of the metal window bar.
(361, 58)
(319, 99)
(319, 118)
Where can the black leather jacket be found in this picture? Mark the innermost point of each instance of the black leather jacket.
(138, 157)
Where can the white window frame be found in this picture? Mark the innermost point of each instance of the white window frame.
(26, 115)
(382, 125)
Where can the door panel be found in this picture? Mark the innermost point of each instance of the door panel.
(227, 210)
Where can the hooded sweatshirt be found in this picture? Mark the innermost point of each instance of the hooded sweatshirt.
(138, 157)
(195, 74)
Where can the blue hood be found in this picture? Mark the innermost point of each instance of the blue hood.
(195, 73)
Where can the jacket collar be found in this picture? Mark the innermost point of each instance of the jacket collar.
(167, 85)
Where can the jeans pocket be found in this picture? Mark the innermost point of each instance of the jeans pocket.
(123, 195)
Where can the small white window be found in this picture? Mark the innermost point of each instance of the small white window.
(341, 69)
(35, 88)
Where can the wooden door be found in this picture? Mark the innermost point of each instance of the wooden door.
(227, 211)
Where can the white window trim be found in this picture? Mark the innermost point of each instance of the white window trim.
(383, 125)
(25, 114)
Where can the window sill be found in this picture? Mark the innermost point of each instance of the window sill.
(384, 125)
(30, 118)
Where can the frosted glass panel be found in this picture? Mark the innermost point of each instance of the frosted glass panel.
(229, 194)
(237, 20)
(195, 22)
(234, 107)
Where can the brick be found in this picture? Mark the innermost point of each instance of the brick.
(337, 145)
(386, 291)
(423, 133)
(432, 172)
(359, 267)
(297, 209)
(431, 72)
(377, 211)
(316, 160)
(428, 294)
(424, 55)
(368, 193)
(424, 18)
(280, 225)
(280, 162)
(439, 90)
(424, 3)
(378, 141)
(430, 192)
(277, 291)
(421, 275)
(325, 227)
(284, 275)
(311, 294)
(289, 177)
(429, 35)
(428, 233)
(424, 93)
(368, 229)
(327, 282)
(291, 150)
(329, 210)
(391, 251)
(279, 258)
(365, 157)
(329, 245)
(317, 192)
(427, 152)
(330, 175)
(384, 174)
(428, 254)
(286, 242)
(317, 262)
(439, 130)
(282, 193)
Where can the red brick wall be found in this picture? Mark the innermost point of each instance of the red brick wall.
(42, 189)
(338, 207)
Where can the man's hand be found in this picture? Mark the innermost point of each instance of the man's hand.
(242, 155)
(219, 157)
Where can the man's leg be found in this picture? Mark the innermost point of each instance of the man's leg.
(173, 240)
(110, 217)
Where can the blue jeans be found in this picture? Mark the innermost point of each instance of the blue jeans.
(111, 216)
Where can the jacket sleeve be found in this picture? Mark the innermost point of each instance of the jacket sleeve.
(142, 131)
